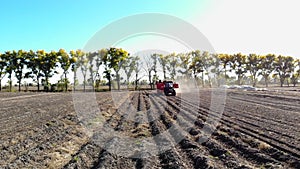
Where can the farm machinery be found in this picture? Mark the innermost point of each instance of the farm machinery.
(167, 87)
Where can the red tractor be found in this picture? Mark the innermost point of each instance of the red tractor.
(168, 87)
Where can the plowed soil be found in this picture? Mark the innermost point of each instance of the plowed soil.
(258, 129)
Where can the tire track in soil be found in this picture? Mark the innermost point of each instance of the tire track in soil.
(105, 158)
(240, 120)
(169, 157)
(261, 103)
(231, 145)
(251, 134)
(285, 103)
(282, 113)
(285, 145)
(88, 154)
(213, 148)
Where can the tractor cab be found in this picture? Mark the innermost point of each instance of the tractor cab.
(169, 88)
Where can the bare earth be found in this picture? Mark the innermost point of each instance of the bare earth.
(258, 129)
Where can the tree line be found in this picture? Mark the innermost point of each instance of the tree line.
(117, 64)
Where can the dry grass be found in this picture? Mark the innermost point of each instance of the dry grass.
(263, 146)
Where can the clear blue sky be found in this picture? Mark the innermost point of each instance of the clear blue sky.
(54, 24)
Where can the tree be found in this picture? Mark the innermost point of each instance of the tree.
(10, 67)
(75, 64)
(184, 62)
(207, 66)
(239, 66)
(172, 64)
(284, 66)
(3, 65)
(137, 70)
(48, 64)
(65, 63)
(296, 75)
(100, 54)
(148, 67)
(19, 61)
(267, 66)
(34, 65)
(197, 64)
(225, 62)
(129, 66)
(83, 64)
(154, 58)
(163, 60)
(216, 68)
(114, 59)
(253, 66)
(91, 56)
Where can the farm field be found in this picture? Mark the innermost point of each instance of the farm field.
(258, 129)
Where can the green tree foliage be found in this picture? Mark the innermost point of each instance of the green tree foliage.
(184, 62)
(48, 64)
(129, 67)
(253, 66)
(238, 62)
(41, 65)
(3, 65)
(19, 62)
(34, 65)
(83, 63)
(154, 58)
(75, 64)
(172, 64)
(267, 66)
(225, 60)
(65, 63)
(114, 59)
(10, 67)
(196, 65)
(284, 66)
(216, 68)
(163, 60)
(295, 76)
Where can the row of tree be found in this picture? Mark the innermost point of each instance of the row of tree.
(116, 62)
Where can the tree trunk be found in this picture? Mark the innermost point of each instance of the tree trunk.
(74, 83)
(266, 81)
(84, 77)
(150, 79)
(253, 80)
(118, 80)
(203, 79)
(109, 83)
(10, 83)
(47, 88)
(136, 76)
(20, 85)
(281, 82)
(0, 85)
(66, 82)
(38, 83)
(92, 78)
(127, 79)
(225, 76)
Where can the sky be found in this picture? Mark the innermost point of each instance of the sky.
(248, 26)
(231, 26)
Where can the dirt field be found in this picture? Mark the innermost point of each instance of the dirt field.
(258, 129)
